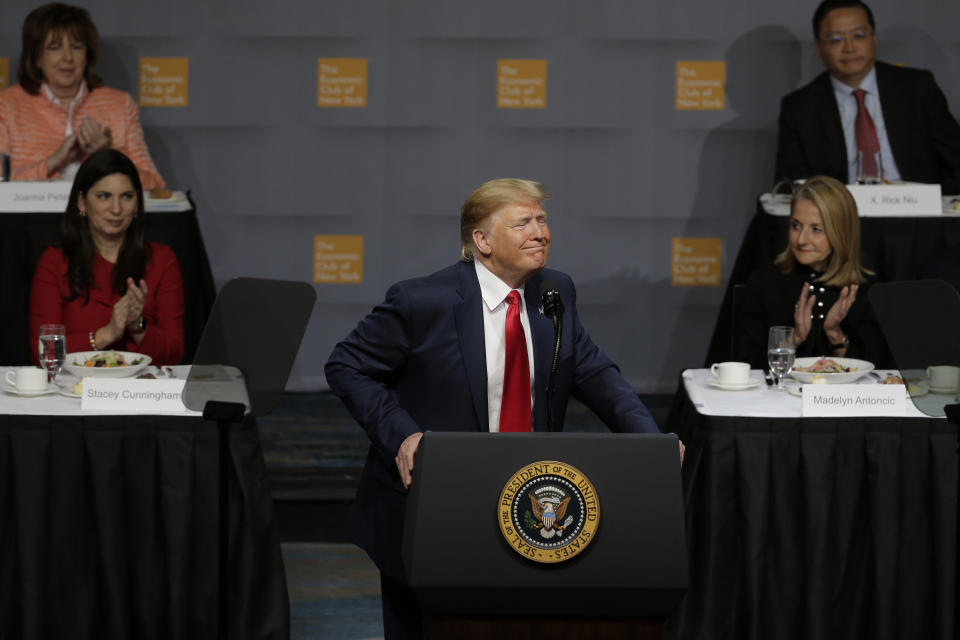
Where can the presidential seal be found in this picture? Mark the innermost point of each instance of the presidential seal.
(548, 511)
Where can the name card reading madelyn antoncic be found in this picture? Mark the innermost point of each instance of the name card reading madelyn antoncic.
(132, 394)
(844, 400)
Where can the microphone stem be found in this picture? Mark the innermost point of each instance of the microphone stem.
(551, 385)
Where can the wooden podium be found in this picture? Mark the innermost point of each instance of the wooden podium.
(471, 583)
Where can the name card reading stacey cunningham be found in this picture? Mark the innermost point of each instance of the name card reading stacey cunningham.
(843, 400)
(132, 394)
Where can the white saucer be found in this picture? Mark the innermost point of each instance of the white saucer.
(742, 386)
(943, 390)
(68, 392)
(51, 388)
(793, 388)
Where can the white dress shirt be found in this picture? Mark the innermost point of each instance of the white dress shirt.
(494, 292)
(847, 103)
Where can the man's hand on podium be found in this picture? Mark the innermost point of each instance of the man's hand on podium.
(404, 458)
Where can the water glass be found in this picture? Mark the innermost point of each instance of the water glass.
(781, 352)
(53, 348)
(869, 172)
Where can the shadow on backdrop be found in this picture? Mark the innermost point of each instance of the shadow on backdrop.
(737, 161)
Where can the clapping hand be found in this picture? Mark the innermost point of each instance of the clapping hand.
(801, 314)
(839, 310)
(88, 137)
(837, 313)
(127, 310)
(92, 137)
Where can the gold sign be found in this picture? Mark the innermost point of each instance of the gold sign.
(164, 82)
(4, 73)
(548, 511)
(338, 259)
(521, 84)
(696, 262)
(341, 82)
(701, 86)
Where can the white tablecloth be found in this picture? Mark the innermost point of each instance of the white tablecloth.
(221, 385)
(768, 402)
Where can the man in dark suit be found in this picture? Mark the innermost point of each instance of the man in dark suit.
(432, 356)
(917, 137)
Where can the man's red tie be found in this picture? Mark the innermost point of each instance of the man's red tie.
(515, 402)
(867, 143)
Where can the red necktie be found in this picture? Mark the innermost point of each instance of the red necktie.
(515, 401)
(867, 143)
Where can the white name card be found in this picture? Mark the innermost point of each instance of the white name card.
(32, 197)
(132, 394)
(843, 400)
(902, 199)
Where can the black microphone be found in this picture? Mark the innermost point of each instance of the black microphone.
(553, 309)
(550, 299)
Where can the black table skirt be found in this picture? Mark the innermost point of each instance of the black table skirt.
(108, 530)
(894, 248)
(24, 236)
(818, 528)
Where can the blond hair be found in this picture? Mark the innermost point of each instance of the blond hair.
(841, 223)
(486, 199)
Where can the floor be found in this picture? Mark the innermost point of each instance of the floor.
(314, 452)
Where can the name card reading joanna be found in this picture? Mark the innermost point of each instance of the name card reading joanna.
(845, 400)
(34, 197)
(132, 394)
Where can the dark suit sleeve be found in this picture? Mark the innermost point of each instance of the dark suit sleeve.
(944, 130)
(598, 383)
(790, 160)
(363, 368)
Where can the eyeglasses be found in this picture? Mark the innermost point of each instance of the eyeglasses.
(837, 39)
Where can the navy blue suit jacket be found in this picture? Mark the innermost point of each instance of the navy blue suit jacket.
(924, 136)
(417, 362)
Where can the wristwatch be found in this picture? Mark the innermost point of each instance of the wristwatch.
(843, 343)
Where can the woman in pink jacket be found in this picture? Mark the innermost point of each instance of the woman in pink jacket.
(60, 112)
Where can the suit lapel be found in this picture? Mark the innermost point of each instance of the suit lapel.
(541, 329)
(829, 113)
(894, 116)
(468, 316)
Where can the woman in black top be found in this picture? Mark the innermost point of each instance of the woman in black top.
(816, 284)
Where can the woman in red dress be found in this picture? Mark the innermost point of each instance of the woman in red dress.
(109, 287)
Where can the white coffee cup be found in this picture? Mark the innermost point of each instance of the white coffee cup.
(27, 378)
(731, 372)
(944, 377)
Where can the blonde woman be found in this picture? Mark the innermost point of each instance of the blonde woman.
(816, 284)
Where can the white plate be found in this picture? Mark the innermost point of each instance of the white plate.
(862, 368)
(68, 392)
(716, 384)
(104, 372)
(51, 388)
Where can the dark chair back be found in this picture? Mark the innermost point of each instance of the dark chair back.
(920, 320)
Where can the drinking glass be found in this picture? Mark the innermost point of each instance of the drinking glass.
(53, 348)
(867, 174)
(781, 352)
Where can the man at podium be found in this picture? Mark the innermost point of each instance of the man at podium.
(468, 348)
